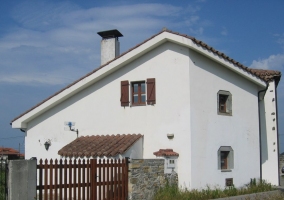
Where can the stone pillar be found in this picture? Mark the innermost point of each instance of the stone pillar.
(145, 177)
(22, 179)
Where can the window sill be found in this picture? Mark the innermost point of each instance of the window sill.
(225, 114)
(226, 170)
(134, 105)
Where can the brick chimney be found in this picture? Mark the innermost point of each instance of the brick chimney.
(109, 45)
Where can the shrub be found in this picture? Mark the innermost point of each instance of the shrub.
(174, 193)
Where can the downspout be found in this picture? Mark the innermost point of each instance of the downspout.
(259, 127)
(276, 103)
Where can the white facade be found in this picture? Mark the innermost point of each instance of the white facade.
(269, 140)
(188, 78)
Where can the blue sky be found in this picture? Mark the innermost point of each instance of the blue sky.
(45, 45)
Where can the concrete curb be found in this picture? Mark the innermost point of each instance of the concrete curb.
(254, 196)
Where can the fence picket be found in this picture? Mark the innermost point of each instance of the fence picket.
(103, 178)
(79, 179)
(50, 180)
(84, 180)
(65, 179)
(40, 179)
(74, 179)
(70, 178)
(88, 178)
(56, 179)
(45, 179)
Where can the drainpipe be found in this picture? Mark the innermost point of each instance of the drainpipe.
(259, 125)
(276, 103)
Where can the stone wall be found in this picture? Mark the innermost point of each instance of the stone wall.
(146, 176)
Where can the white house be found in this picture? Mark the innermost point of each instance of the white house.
(169, 95)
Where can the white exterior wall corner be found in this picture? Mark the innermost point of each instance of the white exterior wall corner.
(269, 143)
(210, 131)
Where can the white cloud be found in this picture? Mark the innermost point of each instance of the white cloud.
(198, 31)
(275, 62)
(52, 38)
(39, 78)
(281, 40)
(224, 31)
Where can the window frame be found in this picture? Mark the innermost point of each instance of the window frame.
(227, 104)
(229, 159)
(139, 93)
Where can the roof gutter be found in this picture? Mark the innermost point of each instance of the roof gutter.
(259, 127)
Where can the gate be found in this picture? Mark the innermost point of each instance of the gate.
(3, 178)
(102, 179)
(110, 179)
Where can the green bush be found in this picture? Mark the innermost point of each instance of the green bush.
(174, 193)
(2, 184)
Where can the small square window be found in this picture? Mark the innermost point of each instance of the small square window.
(224, 103)
(138, 93)
(229, 182)
(225, 158)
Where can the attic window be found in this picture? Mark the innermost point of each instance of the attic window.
(224, 99)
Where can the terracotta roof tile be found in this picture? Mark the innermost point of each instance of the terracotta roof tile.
(99, 145)
(9, 151)
(165, 152)
(267, 77)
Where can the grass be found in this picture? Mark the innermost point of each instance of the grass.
(174, 193)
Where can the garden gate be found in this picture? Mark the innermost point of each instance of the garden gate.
(94, 179)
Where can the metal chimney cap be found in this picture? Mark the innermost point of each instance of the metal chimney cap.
(110, 34)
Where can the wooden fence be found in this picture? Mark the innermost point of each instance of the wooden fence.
(102, 179)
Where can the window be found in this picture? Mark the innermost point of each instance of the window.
(229, 182)
(138, 93)
(224, 103)
(141, 92)
(225, 158)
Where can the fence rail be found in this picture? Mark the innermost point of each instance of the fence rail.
(83, 179)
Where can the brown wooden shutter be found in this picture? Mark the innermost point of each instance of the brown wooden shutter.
(151, 91)
(124, 98)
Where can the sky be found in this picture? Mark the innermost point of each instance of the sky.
(46, 45)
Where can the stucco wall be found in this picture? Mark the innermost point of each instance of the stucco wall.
(210, 131)
(186, 106)
(97, 110)
(269, 136)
